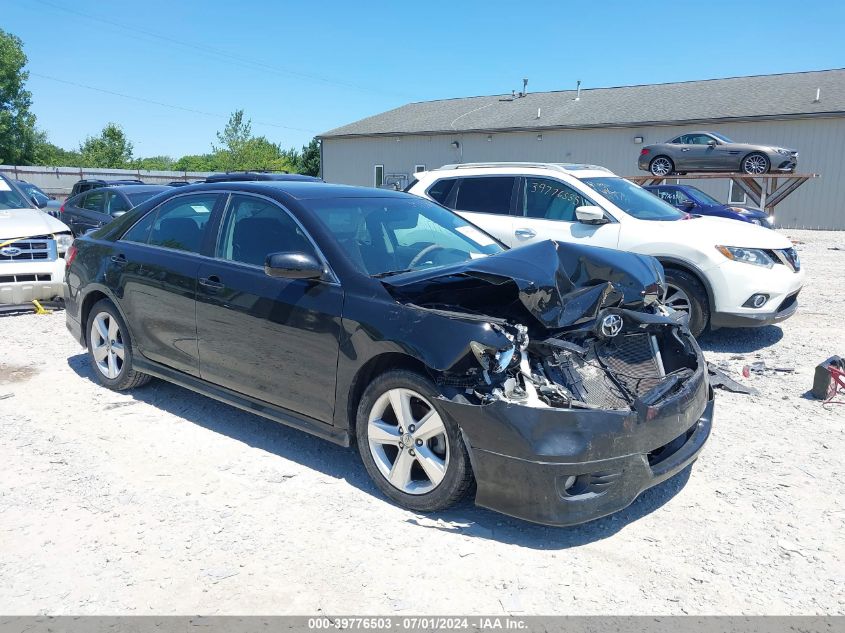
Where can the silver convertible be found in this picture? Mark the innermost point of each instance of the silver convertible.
(708, 151)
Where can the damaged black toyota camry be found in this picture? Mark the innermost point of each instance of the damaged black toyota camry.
(548, 379)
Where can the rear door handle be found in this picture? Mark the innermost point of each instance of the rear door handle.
(211, 284)
(119, 259)
(525, 233)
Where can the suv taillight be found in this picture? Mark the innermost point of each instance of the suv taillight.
(62, 208)
(644, 151)
(70, 255)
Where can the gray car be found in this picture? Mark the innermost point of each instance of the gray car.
(709, 151)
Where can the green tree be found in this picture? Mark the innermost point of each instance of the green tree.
(233, 140)
(19, 139)
(154, 163)
(197, 162)
(49, 154)
(309, 159)
(110, 149)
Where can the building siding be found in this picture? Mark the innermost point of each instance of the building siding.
(820, 142)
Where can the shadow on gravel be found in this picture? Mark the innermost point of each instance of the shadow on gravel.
(487, 525)
(740, 340)
(343, 463)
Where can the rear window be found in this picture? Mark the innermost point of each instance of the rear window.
(486, 195)
(137, 198)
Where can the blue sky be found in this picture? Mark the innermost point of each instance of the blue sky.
(300, 68)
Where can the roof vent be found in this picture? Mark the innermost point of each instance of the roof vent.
(524, 88)
(578, 90)
(818, 95)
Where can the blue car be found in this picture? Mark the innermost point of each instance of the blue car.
(693, 200)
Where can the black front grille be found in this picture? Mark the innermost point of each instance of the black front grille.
(632, 361)
(41, 248)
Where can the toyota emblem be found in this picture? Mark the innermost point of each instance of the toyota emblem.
(611, 325)
(10, 251)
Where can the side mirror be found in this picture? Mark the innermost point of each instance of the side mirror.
(293, 266)
(38, 201)
(711, 143)
(590, 215)
(688, 204)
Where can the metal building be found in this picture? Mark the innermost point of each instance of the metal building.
(608, 126)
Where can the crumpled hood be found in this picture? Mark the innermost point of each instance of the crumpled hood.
(558, 284)
(20, 223)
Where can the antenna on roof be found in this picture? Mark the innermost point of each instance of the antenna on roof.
(578, 90)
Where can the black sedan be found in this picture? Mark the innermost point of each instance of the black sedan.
(96, 207)
(549, 378)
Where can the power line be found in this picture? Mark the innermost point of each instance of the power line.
(163, 105)
(222, 54)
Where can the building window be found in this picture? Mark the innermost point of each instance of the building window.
(736, 195)
(378, 176)
(419, 168)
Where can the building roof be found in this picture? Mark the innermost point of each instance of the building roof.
(736, 98)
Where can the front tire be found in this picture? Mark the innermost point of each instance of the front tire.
(414, 454)
(685, 293)
(110, 349)
(661, 166)
(755, 164)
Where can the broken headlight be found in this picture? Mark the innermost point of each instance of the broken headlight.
(491, 359)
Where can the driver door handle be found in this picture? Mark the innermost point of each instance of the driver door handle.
(525, 233)
(211, 284)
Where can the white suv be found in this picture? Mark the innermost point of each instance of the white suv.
(724, 273)
(32, 248)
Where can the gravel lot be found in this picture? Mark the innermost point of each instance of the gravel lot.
(162, 501)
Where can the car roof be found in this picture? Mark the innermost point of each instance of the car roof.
(133, 188)
(577, 170)
(296, 189)
(252, 176)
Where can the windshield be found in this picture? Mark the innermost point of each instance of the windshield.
(704, 197)
(11, 199)
(722, 138)
(384, 236)
(32, 190)
(633, 200)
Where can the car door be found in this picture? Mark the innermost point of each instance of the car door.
(546, 210)
(701, 155)
(92, 213)
(71, 213)
(679, 150)
(155, 266)
(487, 201)
(274, 339)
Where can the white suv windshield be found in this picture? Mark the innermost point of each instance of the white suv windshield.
(383, 236)
(633, 200)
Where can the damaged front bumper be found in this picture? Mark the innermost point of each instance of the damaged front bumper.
(564, 466)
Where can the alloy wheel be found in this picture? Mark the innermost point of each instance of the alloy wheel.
(107, 345)
(661, 167)
(755, 164)
(408, 441)
(677, 299)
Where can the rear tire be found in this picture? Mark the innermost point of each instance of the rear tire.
(110, 349)
(684, 292)
(661, 166)
(416, 456)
